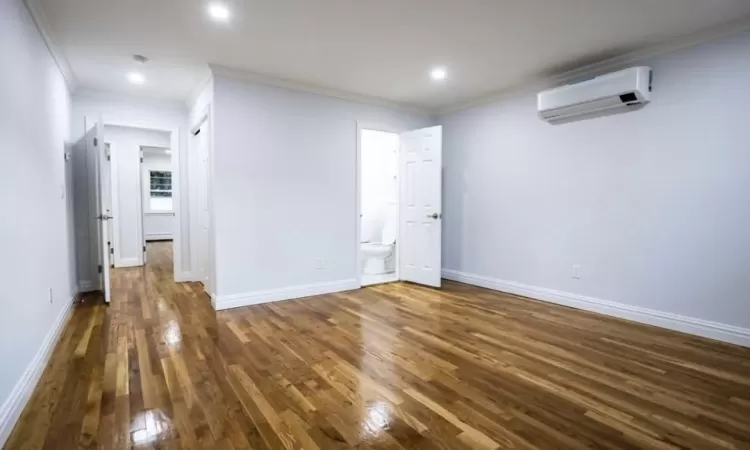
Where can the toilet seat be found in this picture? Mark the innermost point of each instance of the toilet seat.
(375, 248)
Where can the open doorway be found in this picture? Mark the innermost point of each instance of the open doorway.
(136, 199)
(399, 205)
(379, 207)
(141, 191)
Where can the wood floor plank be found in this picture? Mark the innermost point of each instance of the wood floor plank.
(394, 366)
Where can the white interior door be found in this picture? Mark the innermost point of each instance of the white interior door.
(203, 202)
(103, 207)
(107, 191)
(421, 204)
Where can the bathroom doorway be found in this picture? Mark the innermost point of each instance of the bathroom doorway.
(378, 206)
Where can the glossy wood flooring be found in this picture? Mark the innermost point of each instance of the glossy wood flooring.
(389, 367)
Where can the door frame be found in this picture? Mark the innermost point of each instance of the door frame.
(205, 117)
(386, 128)
(175, 141)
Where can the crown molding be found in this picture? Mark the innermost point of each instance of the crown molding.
(42, 24)
(114, 96)
(198, 90)
(541, 83)
(312, 89)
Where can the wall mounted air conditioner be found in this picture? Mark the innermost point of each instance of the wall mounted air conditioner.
(606, 94)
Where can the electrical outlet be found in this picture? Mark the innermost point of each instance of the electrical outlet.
(50, 296)
(576, 271)
(319, 264)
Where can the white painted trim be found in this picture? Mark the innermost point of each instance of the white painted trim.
(391, 279)
(312, 89)
(690, 325)
(197, 91)
(86, 286)
(11, 410)
(530, 84)
(178, 153)
(358, 206)
(183, 277)
(539, 83)
(288, 293)
(129, 262)
(158, 236)
(136, 96)
(42, 24)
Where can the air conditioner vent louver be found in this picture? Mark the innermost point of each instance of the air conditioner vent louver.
(604, 94)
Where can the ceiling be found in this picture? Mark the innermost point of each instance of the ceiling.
(382, 49)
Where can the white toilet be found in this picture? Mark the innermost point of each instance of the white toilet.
(378, 257)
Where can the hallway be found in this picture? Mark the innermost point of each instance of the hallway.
(101, 388)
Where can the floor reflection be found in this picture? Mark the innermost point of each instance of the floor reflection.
(172, 335)
(379, 415)
(150, 427)
(377, 368)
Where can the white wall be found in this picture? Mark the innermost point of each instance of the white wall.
(127, 196)
(35, 230)
(378, 182)
(651, 204)
(118, 109)
(284, 186)
(160, 223)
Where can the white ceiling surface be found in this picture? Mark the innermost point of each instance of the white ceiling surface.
(376, 48)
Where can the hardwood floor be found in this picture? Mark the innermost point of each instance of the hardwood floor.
(394, 366)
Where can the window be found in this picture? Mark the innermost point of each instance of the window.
(160, 190)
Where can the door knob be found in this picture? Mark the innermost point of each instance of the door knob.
(434, 216)
(104, 217)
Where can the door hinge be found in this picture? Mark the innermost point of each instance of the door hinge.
(100, 268)
(144, 249)
(96, 142)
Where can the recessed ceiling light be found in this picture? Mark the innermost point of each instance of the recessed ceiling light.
(438, 73)
(218, 12)
(136, 78)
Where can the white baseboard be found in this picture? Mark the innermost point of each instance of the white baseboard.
(129, 262)
(13, 407)
(86, 286)
(690, 325)
(275, 295)
(184, 277)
